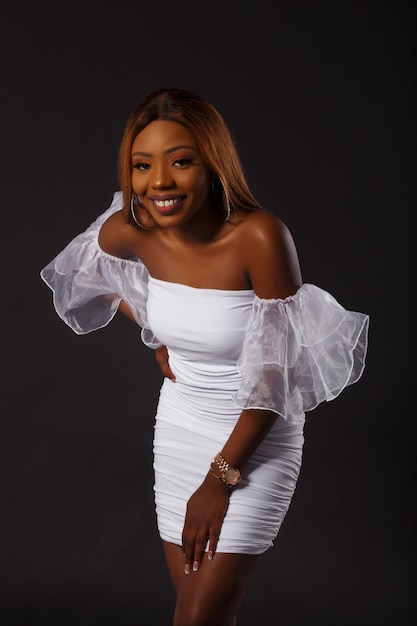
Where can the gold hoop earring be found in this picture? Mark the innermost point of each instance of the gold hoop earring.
(135, 199)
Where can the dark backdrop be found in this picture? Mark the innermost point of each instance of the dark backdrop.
(320, 99)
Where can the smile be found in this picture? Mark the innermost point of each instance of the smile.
(166, 203)
(167, 206)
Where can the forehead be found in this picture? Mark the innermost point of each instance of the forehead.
(163, 134)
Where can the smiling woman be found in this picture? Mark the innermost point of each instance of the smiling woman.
(170, 177)
(246, 348)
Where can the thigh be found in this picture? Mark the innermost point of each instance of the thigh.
(214, 593)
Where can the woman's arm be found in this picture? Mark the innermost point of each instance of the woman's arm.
(273, 268)
(126, 310)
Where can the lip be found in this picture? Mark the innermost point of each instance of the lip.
(170, 208)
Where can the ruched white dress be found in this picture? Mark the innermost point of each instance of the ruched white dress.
(229, 350)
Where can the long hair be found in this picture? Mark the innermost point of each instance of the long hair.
(214, 140)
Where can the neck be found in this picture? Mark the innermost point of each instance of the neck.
(201, 228)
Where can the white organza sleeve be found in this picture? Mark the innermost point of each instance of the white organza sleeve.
(299, 352)
(88, 284)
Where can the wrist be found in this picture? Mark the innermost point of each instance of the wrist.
(224, 472)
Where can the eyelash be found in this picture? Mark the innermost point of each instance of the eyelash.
(183, 162)
(142, 167)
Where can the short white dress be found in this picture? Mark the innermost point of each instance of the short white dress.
(229, 350)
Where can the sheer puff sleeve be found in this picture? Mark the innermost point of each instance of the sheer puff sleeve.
(89, 284)
(299, 352)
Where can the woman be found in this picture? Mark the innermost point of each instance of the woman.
(213, 279)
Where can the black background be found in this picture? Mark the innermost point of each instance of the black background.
(320, 98)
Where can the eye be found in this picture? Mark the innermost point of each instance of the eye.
(183, 162)
(141, 166)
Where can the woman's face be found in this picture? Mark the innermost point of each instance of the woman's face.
(169, 173)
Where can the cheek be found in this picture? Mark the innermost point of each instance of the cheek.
(138, 180)
(201, 183)
(197, 183)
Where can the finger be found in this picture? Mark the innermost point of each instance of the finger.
(163, 362)
(169, 373)
(199, 549)
(188, 542)
(213, 541)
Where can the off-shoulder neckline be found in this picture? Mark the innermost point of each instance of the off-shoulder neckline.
(185, 286)
(224, 291)
(137, 261)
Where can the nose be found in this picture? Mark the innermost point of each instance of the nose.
(161, 177)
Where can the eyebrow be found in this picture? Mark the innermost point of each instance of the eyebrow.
(168, 151)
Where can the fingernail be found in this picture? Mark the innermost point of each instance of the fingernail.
(187, 568)
(195, 566)
(210, 555)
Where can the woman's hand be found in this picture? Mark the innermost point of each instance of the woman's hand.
(161, 355)
(205, 513)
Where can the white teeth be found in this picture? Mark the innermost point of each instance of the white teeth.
(162, 203)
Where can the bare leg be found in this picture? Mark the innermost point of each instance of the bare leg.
(211, 596)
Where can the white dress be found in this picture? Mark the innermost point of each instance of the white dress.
(228, 350)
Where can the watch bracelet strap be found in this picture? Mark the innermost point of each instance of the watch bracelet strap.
(213, 473)
(222, 464)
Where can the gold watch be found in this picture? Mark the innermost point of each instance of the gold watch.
(228, 474)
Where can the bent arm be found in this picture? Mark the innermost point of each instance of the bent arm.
(274, 272)
(126, 310)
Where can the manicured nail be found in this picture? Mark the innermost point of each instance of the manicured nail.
(187, 568)
(210, 555)
(195, 566)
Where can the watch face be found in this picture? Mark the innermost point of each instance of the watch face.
(232, 476)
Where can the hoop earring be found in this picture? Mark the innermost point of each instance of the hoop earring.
(135, 199)
(226, 195)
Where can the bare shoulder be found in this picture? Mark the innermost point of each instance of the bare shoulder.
(271, 255)
(117, 237)
(266, 229)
